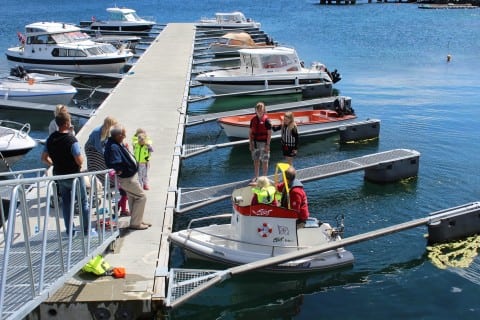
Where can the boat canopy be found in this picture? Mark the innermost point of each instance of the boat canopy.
(239, 38)
(123, 14)
(270, 58)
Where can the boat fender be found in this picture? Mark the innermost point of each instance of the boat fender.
(264, 230)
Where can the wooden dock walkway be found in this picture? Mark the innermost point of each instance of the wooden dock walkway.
(153, 96)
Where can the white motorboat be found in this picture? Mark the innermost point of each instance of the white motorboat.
(231, 42)
(257, 232)
(38, 92)
(15, 142)
(308, 122)
(120, 20)
(19, 73)
(61, 47)
(228, 20)
(270, 69)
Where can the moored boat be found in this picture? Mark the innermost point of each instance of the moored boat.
(15, 142)
(278, 70)
(231, 42)
(232, 20)
(18, 73)
(260, 231)
(237, 127)
(60, 47)
(37, 92)
(123, 20)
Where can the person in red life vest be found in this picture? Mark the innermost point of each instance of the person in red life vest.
(260, 135)
(296, 198)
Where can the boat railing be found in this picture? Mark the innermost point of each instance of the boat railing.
(36, 255)
(13, 127)
(219, 216)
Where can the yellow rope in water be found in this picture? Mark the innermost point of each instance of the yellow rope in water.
(458, 254)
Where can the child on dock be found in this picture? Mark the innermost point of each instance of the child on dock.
(142, 150)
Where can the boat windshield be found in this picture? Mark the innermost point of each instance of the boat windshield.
(99, 50)
(276, 61)
(70, 37)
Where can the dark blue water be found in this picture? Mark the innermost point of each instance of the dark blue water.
(393, 61)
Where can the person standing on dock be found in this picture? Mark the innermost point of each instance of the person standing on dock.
(95, 146)
(119, 158)
(52, 127)
(62, 150)
(142, 149)
(289, 141)
(259, 138)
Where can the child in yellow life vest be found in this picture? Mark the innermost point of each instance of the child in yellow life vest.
(264, 192)
(142, 150)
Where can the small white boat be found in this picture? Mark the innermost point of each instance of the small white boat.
(37, 92)
(15, 142)
(231, 42)
(19, 73)
(237, 127)
(234, 19)
(60, 47)
(121, 20)
(258, 232)
(270, 69)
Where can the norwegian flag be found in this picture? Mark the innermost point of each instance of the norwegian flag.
(21, 37)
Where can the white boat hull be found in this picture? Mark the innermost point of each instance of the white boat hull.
(14, 143)
(95, 66)
(198, 245)
(275, 84)
(47, 93)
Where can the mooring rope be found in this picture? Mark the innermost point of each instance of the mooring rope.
(457, 254)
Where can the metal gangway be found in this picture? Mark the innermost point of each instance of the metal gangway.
(36, 255)
(387, 166)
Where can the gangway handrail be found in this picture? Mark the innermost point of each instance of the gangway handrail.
(335, 127)
(47, 247)
(193, 120)
(19, 174)
(221, 192)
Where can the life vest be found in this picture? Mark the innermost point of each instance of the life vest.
(97, 266)
(141, 153)
(265, 195)
(259, 128)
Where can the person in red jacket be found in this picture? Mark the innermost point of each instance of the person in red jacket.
(296, 198)
(260, 135)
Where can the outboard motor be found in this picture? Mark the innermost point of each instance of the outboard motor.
(336, 76)
(338, 230)
(18, 72)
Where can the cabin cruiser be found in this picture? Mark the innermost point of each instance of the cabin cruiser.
(234, 19)
(258, 232)
(309, 122)
(231, 42)
(15, 142)
(37, 92)
(269, 69)
(120, 20)
(61, 47)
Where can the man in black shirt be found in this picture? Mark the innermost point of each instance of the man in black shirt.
(62, 150)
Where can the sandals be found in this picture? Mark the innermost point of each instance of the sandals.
(139, 227)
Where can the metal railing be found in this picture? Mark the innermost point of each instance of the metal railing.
(33, 265)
